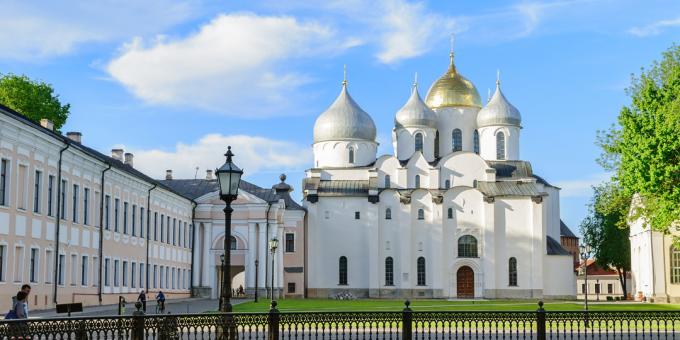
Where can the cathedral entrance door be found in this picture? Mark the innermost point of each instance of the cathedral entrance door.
(465, 282)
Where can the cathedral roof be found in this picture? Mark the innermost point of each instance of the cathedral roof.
(565, 231)
(452, 89)
(415, 113)
(498, 111)
(344, 120)
(555, 248)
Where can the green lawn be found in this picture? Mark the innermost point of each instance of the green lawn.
(310, 305)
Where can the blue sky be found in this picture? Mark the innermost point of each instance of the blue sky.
(176, 81)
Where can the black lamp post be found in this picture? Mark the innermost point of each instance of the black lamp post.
(257, 263)
(222, 270)
(229, 178)
(585, 255)
(273, 244)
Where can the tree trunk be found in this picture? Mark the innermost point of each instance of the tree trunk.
(623, 281)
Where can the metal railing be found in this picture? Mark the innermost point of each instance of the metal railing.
(406, 324)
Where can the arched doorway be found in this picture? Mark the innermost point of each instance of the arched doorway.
(465, 282)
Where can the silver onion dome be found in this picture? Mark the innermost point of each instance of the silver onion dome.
(415, 113)
(498, 111)
(344, 120)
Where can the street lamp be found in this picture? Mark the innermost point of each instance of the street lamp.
(585, 255)
(229, 178)
(256, 283)
(273, 244)
(222, 270)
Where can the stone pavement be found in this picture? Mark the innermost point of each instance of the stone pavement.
(175, 306)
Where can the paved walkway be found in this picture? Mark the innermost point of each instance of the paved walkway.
(175, 306)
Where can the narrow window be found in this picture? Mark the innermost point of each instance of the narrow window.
(133, 228)
(291, 287)
(141, 275)
(125, 218)
(417, 181)
(63, 199)
(421, 271)
(174, 232)
(116, 209)
(125, 273)
(95, 272)
(419, 142)
(610, 288)
(290, 243)
(357, 215)
(421, 214)
(351, 155)
(62, 264)
(167, 234)
(107, 212)
(467, 246)
(233, 244)
(387, 181)
(86, 206)
(34, 265)
(449, 213)
(37, 182)
(22, 187)
(388, 214)
(436, 144)
(83, 271)
(512, 272)
(475, 141)
(107, 276)
(500, 146)
(155, 227)
(155, 276)
(389, 271)
(50, 195)
(456, 140)
(74, 269)
(4, 179)
(675, 265)
(342, 270)
(116, 265)
(76, 192)
(141, 222)
(447, 184)
(49, 265)
(162, 228)
(133, 275)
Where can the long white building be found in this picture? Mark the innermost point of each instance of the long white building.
(454, 212)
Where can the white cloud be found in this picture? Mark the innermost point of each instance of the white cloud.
(654, 28)
(581, 187)
(254, 154)
(233, 64)
(38, 30)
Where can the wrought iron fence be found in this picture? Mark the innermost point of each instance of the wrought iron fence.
(406, 325)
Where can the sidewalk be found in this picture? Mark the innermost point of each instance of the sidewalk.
(175, 306)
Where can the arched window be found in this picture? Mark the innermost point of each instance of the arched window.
(457, 140)
(675, 265)
(467, 246)
(387, 181)
(419, 142)
(232, 243)
(436, 144)
(500, 145)
(421, 271)
(351, 155)
(449, 213)
(389, 271)
(475, 141)
(417, 181)
(421, 214)
(388, 214)
(342, 270)
(447, 184)
(512, 272)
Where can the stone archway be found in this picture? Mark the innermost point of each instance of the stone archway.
(465, 283)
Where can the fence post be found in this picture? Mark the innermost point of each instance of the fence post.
(407, 322)
(138, 322)
(540, 321)
(273, 322)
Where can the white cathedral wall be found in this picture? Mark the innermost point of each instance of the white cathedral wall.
(559, 283)
(406, 142)
(450, 118)
(551, 205)
(336, 153)
(487, 142)
(462, 169)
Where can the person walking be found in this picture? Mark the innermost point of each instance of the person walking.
(26, 289)
(142, 298)
(160, 302)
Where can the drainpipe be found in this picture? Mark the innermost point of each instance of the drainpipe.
(101, 231)
(58, 221)
(193, 247)
(305, 261)
(266, 252)
(148, 229)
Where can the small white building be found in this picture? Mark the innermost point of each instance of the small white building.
(454, 213)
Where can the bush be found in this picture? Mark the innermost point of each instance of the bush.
(610, 298)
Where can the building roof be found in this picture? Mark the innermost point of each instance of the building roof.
(565, 231)
(555, 248)
(508, 188)
(452, 89)
(344, 120)
(498, 111)
(415, 113)
(87, 150)
(511, 169)
(343, 188)
(194, 188)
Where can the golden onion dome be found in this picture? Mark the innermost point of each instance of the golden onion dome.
(452, 89)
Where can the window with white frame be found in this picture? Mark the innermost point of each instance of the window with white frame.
(419, 142)
(62, 193)
(387, 181)
(49, 265)
(116, 273)
(95, 271)
(37, 192)
(62, 269)
(86, 206)
(107, 274)
(417, 184)
(155, 276)
(74, 269)
(351, 155)
(107, 212)
(290, 242)
(675, 265)
(3, 261)
(76, 192)
(500, 145)
(133, 274)
(125, 218)
(22, 187)
(4, 182)
(456, 140)
(388, 214)
(84, 263)
(116, 210)
(141, 275)
(34, 265)
(125, 273)
(50, 195)
(475, 141)
(133, 227)
(421, 214)
(18, 264)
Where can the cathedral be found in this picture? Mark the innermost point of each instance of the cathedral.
(454, 213)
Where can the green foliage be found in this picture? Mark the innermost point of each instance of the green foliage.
(34, 99)
(644, 148)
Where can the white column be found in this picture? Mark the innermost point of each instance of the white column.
(262, 255)
(250, 255)
(539, 244)
(196, 255)
(493, 238)
(207, 262)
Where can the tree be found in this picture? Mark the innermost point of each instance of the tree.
(606, 230)
(34, 99)
(643, 150)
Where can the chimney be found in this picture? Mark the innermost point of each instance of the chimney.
(75, 136)
(129, 159)
(117, 154)
(47, 124)
(168, 174)
(209, 175)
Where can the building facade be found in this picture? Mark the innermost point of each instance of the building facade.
(454, 213)
(81, 226)
(602, 284)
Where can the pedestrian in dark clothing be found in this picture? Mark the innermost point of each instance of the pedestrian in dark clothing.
(142, 298)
